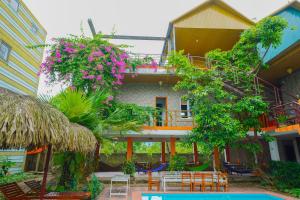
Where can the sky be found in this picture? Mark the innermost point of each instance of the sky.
(126, 17)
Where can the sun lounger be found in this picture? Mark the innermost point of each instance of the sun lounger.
(12, 191)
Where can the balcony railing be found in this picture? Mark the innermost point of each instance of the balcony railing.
(171, 118)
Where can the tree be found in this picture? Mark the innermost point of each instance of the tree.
(223, 98)
(92, 112)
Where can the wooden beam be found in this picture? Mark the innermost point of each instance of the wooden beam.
(133, 37)
(173, 146)
(217, 158)
(227, 150)
(196, 160)
(129, 149)
(163, 152)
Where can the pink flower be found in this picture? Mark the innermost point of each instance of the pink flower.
(107, 49)
(98, 53)
(90, 58)
(81, 46)
(100, 67)
(99, 78)
(110, 98)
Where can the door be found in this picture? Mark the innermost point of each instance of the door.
(162, 110)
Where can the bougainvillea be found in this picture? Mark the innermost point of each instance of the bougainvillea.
(85, 63)
(89, 63)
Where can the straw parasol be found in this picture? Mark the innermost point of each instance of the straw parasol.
(28, 122)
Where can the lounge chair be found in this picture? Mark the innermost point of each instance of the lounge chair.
(152, 182)
(12, 191)
(197, 181)
(34, 185)
(207, 181)
(222, 182)
(186, 180)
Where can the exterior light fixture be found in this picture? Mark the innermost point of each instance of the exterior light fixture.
(160, 83)
(289, 70)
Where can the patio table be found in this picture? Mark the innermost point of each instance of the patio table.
(120, 179)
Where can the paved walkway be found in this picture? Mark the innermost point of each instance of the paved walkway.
(240, 188)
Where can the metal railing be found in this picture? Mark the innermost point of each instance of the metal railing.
(171, 118)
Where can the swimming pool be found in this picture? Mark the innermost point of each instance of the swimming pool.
(209, 197)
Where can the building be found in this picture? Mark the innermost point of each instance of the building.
(19, 64)
(211, 25)
(283, 76)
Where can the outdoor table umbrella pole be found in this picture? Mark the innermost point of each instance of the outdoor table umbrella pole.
(46, 168)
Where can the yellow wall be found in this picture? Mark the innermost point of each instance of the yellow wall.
(19, 72)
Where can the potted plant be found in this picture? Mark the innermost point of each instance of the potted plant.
(281, 119)
(177, 164)
(129, 168)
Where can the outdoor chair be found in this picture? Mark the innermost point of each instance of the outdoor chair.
(12, 191)
(222, 182)
(186, 180)
(152, 182)
(197, 181)
(207, 181)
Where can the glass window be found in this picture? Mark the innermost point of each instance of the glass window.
(4, 50)
(184, 106)
(14, 4)
(34, 28)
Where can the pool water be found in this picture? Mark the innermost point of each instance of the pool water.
(209, 197)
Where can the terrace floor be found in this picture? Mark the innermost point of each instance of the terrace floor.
(137, 189)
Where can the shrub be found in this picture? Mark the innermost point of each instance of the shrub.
(128, 168)
(294, 192)
(95, 187)
(177, 163)
(16, 178)
(286, 175)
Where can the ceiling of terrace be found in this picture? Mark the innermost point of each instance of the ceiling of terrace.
(198, 42)
(151, 78)
(283, 65)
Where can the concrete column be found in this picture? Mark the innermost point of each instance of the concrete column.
(129, 149)
(196, 160)
(163, 152)
(296, 149)
(273, 145)
(173, 146)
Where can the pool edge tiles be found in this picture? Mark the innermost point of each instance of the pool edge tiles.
(208, 196)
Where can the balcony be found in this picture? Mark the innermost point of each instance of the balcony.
(158, 64)
(163, 119)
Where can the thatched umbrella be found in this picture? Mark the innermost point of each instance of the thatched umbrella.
(28, 122)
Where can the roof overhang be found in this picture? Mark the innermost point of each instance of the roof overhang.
(283, 64)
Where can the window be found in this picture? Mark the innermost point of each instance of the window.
(4, 50)
(34, 28)
(15, 4)
(185, 109)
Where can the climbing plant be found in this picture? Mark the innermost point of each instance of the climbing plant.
(222, 97)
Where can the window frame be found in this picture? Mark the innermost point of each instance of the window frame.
(8, 52)
(189, 114)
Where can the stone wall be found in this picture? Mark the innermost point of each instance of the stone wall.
(144, 94)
